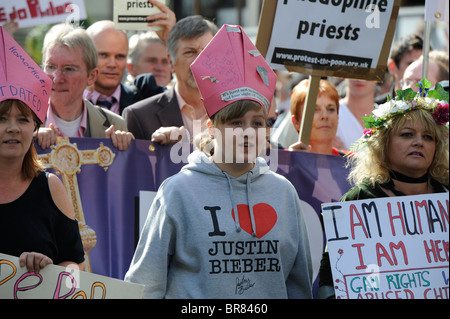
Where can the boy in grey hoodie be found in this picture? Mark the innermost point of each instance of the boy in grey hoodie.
(226, 226)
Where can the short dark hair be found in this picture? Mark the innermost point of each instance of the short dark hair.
(405, 45)
(188, 28)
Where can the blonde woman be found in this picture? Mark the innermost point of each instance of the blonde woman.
(404, 151)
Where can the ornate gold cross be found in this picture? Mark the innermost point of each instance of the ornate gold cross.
(66, 159)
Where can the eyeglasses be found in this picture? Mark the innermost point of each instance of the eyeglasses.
(51, 69)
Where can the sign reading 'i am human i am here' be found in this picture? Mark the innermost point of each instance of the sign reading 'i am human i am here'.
(389, 248)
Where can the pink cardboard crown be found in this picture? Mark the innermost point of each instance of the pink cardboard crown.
(21, 78)
(230, 68)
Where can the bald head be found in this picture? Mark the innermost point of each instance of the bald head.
(112, 49)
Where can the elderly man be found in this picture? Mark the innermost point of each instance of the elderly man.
(159, 118)
(112, 49)
(70, 60)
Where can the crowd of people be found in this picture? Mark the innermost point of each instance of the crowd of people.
(158, 86)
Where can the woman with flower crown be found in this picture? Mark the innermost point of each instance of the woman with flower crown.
(404, 151)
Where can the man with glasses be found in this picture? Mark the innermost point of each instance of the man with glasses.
(70, 60)
(437, 70)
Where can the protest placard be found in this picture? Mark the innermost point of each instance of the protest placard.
(56, 282)
(349, 39)
(30, 13)
(132, 15)
(436, 10)
(389, 248)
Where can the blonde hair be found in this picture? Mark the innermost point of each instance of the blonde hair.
(370, 163)
(204, 142)
(31, 164)
(66, 35)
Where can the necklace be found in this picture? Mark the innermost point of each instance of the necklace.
(406, 179)
(402, 178)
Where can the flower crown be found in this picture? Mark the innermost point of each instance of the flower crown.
(435, 101)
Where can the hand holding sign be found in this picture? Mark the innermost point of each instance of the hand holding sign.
(56, 282)
(164, 20)
(144, 15)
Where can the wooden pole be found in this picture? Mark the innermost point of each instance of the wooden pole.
(308, 110)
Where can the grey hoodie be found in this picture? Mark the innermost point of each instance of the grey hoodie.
(194, 245)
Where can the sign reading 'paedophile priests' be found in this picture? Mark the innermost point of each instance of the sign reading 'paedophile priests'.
(345, 38)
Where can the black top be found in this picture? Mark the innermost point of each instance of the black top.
(365, 190)
(33, 223)
(144, 86)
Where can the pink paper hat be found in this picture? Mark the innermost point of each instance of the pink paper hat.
(21, 78)
(230, 69)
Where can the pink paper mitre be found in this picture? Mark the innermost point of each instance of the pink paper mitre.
(21, 78)
(230, 69)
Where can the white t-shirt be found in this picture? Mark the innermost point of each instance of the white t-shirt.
(68, 128)
(349, 129)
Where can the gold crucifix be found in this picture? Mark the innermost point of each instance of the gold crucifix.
(66, 159)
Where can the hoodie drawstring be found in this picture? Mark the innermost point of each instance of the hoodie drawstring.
(235, 209)
(236, 215)
(250, 206)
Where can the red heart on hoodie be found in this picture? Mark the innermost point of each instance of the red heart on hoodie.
(265, 218)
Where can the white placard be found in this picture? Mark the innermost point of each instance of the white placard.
(132, 15)
(389, 248)
(56, 282)
(436, 10)
(29, 13)
(348, 38)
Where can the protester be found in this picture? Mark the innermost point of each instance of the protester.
(239, 239)
(148, 54)
(437, 70)
(357, 103)
(404, 52)
(108, 91)
(170, 113)
(112, 46)
(164, 20)
(70, 59)
(325, 121)
(38, 223)
(403, 152)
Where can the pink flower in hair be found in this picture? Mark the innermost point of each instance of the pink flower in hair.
(441, 114)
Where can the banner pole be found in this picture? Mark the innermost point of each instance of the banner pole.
(308, 110)
(426, 48)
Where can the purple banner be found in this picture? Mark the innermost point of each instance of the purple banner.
(110, 195)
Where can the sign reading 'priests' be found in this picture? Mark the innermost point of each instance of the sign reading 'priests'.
(343, 38)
